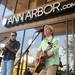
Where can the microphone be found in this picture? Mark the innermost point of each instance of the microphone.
(40, 30)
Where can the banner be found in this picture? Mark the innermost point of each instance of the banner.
(48, 11)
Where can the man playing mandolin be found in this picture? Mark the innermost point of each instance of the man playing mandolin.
(48, 53)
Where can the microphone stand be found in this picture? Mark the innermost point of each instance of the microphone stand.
(27, 52)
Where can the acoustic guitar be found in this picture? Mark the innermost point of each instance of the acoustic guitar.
(41, 62)
(42, 58)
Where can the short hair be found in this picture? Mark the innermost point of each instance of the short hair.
(14, 33)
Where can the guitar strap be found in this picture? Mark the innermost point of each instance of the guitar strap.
(50, 43)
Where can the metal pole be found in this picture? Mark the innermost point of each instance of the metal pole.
(26, 70)
(24, 52)
(67, 54)
(73, 41)
(16, 6)
(29, 4)
(15, 12)
(0, 1)
(27, 52)
(4, 9)
(20, 54)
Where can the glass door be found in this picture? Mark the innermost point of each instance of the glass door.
(65, 33)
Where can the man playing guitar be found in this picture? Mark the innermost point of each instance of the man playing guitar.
(48, 53)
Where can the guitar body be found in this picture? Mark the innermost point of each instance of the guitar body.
(41, 62)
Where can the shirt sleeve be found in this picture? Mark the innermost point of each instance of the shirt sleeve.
(55, 47)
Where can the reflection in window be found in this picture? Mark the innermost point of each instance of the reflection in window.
(63, 51)
(29, 36)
